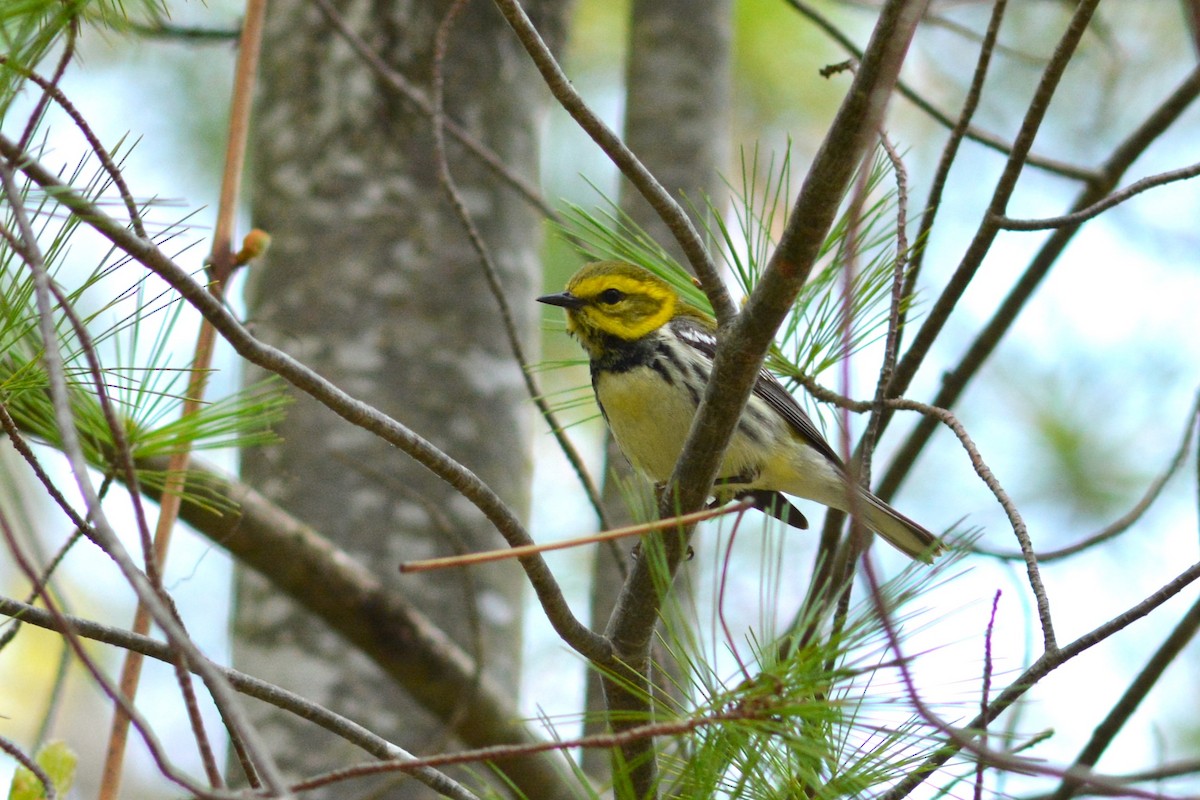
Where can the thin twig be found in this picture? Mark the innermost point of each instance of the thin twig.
(1167, 653)
(640, 529)
(1099, 207)
(723, 578)
(958, 131)
(490, 270)
(891, 342)
(245, 684)
(1170, 769)
(984, 138)
(955, 381)
(966, 738)
(185, 33)
(858, 538)
(60, 69)
(985, 692)
(1191, 15)
(659, 198)
(970, 738)
(644, 732)
(1041, 597)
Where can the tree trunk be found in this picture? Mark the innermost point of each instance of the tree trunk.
(371, 281)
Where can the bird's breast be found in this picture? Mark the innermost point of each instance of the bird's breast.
(648, 417)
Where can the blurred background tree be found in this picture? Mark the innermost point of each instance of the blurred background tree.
(374, 283)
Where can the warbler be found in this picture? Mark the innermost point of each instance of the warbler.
(651, 354)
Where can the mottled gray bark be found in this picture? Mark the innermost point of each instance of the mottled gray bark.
(371, 280)
(677, 106)
(677, 121)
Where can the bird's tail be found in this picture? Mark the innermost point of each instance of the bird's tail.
(898, 530)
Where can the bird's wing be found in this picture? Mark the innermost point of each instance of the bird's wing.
(767, 388)
(781, 401)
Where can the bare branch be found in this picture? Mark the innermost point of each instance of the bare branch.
(984, 138)
(68, 53)
(1010, 509)
(1099, 207)
(243, 683)
(658, 197)
(1167, 653)
(491, 273)
(352, 410)
(955, 381)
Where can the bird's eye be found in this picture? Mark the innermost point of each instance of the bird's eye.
(611, 296)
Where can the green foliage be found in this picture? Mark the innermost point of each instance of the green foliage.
(131, 331)
(834, 317)
(812, 720)
(58, 761)
(30, 29)
(823, 717)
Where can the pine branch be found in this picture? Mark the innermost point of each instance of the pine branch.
(245, 684)
(574, 632)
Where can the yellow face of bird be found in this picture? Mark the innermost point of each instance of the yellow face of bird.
(615, 299)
